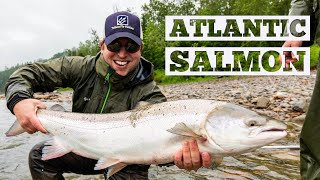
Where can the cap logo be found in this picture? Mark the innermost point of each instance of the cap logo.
(122, 20)
(122, 24)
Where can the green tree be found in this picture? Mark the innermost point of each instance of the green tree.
(153, 25)
(89, 47)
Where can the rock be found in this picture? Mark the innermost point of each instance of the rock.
(302, 105)
(263, 102)
(42, 96)
(247, 96)
(254, 101)
(280, 95)
(284, 105)
(276, 109)
(236, 94)
(287, 156)
(306, 94)
(299, 119)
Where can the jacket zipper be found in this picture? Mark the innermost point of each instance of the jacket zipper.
(106, 79)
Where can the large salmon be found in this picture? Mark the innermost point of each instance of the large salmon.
(152, 134)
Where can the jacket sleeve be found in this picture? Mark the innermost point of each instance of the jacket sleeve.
(42, 77)
(152, 93)
(306, 7)
(301, 7)
(149, 92)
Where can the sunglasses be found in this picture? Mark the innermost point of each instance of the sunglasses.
(130, 47)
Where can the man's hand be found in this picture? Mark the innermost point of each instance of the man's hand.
(25, 112)
(190, 158)
(289, 56)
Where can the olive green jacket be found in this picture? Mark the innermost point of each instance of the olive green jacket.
(97, 88)
(312, 8)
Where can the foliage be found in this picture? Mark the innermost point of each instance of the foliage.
(64, 89)
(314, 56)
(4, 75)
(153, 24)
(58, 55)
(89, 47)
(154, 13)
(160, 77)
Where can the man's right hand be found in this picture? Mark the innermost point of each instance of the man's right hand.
(289, 56)
(25, 112)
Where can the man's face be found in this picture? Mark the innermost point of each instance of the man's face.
(122, 61)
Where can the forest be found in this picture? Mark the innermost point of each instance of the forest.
(153, 25)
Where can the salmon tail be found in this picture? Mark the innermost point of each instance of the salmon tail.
(15, 129)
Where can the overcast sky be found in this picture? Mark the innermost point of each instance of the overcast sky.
(33, 29)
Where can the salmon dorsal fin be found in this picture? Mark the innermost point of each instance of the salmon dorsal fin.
(183, 130)
(57, 107)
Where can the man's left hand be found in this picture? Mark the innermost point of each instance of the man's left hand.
(190, 158)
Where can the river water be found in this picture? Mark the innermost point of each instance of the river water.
(260, 164)
(14, 150)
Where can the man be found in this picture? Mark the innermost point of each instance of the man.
(113, 81)
(310, 134)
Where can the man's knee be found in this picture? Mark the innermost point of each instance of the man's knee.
(41, 169)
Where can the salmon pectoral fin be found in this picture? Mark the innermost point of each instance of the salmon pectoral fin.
(113, 165)
(183, 130)
(54, 148)
(115, 168)
(105, 162)
(15, 129)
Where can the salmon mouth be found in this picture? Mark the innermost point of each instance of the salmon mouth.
(274, 130)
(269, 131)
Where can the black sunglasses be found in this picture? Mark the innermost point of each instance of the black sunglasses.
(130, 47)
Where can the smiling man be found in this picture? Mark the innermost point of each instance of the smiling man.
(114, 80)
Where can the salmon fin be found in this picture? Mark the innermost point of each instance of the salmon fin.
(104, 163)
(183, 130)
(216, 161)
(54, 148)
(15, 129)
(115, 168)
(57, 107)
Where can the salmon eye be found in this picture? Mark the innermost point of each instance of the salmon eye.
(252, 123)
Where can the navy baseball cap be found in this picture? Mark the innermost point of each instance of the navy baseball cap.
(123, 24)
